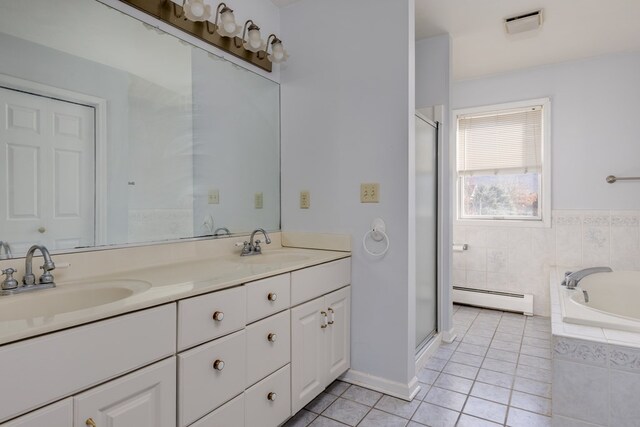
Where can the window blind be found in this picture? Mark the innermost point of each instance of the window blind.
(505, 141)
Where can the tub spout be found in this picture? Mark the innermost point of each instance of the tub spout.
(572, 280)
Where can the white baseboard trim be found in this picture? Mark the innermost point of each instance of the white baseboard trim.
(449, 336)
(401, 391)
(428, 351)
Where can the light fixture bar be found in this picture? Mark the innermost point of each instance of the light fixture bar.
(164, 11)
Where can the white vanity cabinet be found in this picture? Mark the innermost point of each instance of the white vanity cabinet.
(320, 331)
(145, 398)
(250, 355)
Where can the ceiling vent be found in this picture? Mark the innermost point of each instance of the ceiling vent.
(522, 23)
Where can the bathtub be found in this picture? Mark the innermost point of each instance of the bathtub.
(595, 350)
(604, 300)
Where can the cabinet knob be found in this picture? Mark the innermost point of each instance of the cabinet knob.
(218, 365)
(272, 396)
(90, 422)
(325, 323)
(218, 316)
(272, 296)
(272, 337)
(331, 316)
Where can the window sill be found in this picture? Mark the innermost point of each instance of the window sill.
(544, 223)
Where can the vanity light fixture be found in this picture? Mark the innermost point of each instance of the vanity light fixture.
(218, 28)
(196, 10)
(251, 39)
(278, 53)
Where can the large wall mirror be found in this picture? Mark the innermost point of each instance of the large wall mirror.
(113, 132)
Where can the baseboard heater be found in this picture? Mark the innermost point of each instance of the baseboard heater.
(519, 303)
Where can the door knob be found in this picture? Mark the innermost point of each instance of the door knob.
(43, 230)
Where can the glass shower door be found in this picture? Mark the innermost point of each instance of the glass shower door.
(426, 230)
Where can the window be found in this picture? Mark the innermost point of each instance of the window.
(502, 157)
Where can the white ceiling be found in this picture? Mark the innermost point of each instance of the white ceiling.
(283, 3)
(572, 29)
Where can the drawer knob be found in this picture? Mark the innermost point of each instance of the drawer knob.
(90, 423)
(272, 296)
(218, 316)
(218, 365)
(272, 396)
(272, 337)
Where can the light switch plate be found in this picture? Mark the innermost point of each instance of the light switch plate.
(258, 200)
(370, 192)
(214, 197)
(305, 200)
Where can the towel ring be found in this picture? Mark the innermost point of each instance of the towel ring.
(378, 234)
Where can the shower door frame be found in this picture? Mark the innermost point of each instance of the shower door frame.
(420, 347)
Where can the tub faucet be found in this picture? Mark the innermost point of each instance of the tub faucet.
(571, 280)
(252, 247)
(29, 277)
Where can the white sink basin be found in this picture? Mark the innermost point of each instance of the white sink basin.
(273, 258)
(67, 298)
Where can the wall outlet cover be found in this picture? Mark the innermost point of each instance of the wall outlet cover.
(214, 197)
(258, 200)
(305, 200)
(370, 192)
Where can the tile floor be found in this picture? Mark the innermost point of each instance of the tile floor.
(496, 373)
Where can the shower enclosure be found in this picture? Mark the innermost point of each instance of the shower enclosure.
(426, 184)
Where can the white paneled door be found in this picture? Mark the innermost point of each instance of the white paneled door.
(47, 157)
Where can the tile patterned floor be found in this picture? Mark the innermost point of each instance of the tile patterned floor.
(496, 373)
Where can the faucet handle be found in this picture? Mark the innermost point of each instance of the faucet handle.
(46, 277)
(9, 282)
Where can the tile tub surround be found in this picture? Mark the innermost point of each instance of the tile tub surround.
(596, 372)
(496, 373)
(518, 258)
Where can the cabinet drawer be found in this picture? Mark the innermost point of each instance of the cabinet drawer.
(268, 403)
(56, 415)
(196, 323)
(145, 398)
(205, 385)
(268, 346)
(268, 296)
(60, 364)
(313, 282)
(228, 415)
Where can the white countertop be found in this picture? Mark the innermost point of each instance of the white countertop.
(166, 284)
(583, 332)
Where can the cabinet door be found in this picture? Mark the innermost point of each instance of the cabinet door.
(145, 398)
(55, 415)
(338, 347)
(308, 353)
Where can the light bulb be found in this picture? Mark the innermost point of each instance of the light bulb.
(196, 10)
(255, 41)
(277, 51)
(228, 21)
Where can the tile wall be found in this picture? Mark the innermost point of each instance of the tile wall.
(518, 259)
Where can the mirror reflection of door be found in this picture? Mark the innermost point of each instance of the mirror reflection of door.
(47, 157)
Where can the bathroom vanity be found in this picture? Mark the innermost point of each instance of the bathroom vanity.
(226, 341)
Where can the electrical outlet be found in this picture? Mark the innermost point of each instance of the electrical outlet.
(305, 200)
(370, 192)
(258, 200)
(214, 197)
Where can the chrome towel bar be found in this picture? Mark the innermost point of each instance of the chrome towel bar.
(611, 178)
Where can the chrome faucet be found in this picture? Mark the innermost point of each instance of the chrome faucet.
(571, 280)
(7, 250)
(12, 286)
(252, 247)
